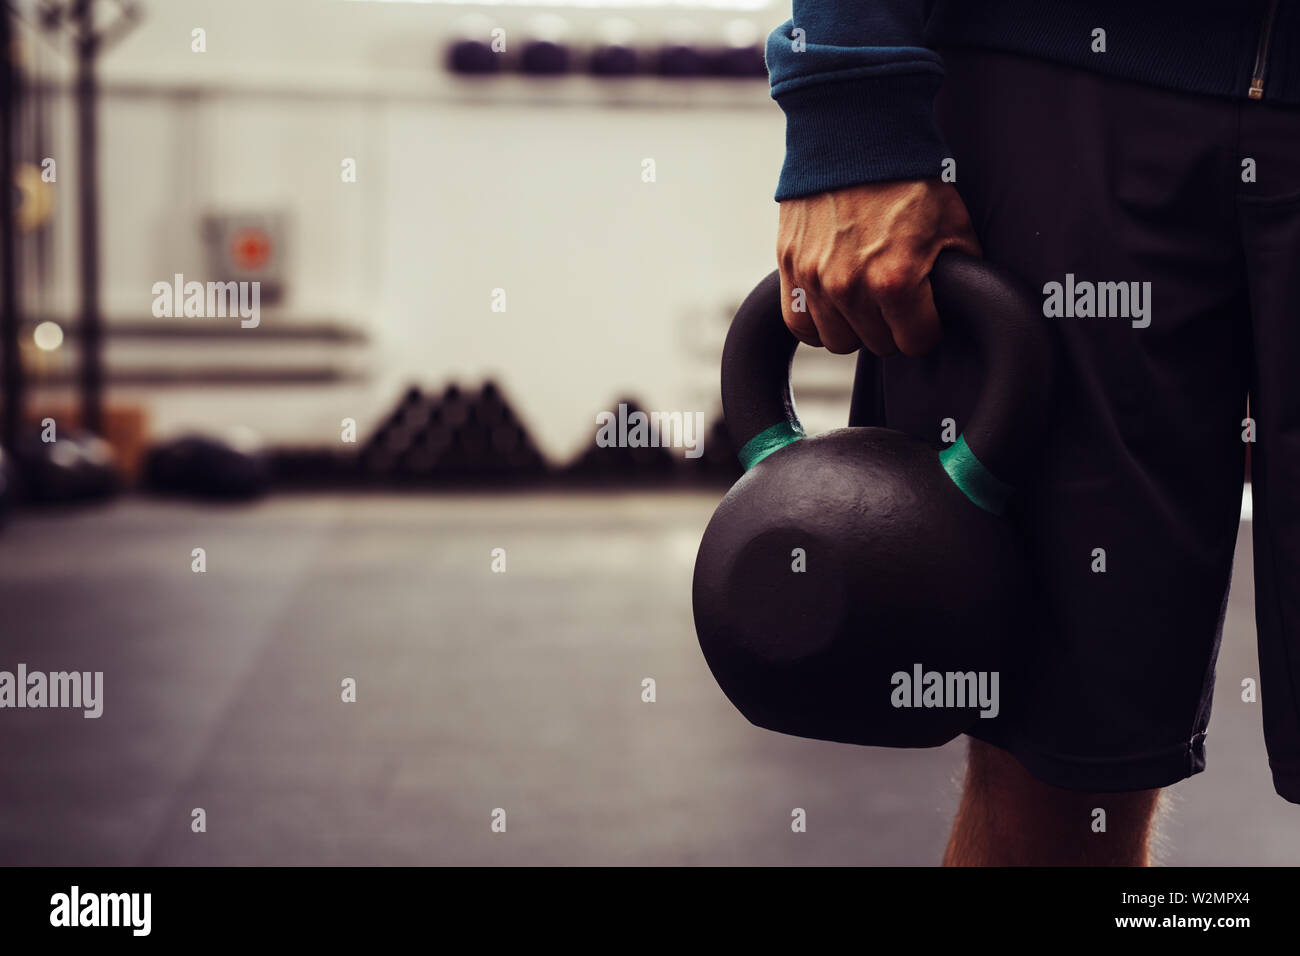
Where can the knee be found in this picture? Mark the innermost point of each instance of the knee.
(1009, 818)
(1000, 781)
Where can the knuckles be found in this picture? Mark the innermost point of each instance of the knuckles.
(841, 285)
(890, 280)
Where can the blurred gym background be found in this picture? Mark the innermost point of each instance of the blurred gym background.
(465, 253)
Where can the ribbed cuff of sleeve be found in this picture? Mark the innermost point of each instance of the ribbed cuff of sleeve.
(848, 132)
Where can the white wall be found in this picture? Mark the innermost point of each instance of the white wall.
(615, 286)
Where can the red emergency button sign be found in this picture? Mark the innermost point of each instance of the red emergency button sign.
(251, 249)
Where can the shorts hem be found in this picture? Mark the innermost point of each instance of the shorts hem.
(1147, 771)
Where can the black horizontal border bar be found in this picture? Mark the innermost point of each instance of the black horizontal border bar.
(979, 909)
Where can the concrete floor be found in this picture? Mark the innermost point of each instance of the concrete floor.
(475, 691)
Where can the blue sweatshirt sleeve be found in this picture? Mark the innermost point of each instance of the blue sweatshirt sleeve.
(857, 87)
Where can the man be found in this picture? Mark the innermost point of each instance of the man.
(1149, 153)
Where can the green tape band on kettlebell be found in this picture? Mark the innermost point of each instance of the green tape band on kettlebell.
(975, 481)
(769, 440)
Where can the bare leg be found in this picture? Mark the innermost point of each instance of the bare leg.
(1007, 818)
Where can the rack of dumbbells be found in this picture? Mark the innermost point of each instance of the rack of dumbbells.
(614, 48)
(457, 437)
(623, 464)
(460, 437)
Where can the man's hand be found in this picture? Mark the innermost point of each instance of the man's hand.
(862, 256)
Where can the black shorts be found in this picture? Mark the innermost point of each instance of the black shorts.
(1068, 172)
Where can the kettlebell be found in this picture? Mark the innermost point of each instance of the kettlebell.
(858, 585)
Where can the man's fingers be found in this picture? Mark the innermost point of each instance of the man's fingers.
(853, 300)
(833, 327)
(913, 319)
(870, 326)
(821, 324)
(800, 323)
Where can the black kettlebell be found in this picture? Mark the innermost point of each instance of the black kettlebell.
(843, 571)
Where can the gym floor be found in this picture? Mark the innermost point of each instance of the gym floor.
(475, 690)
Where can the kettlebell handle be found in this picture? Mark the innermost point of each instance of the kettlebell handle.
(999, 316)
